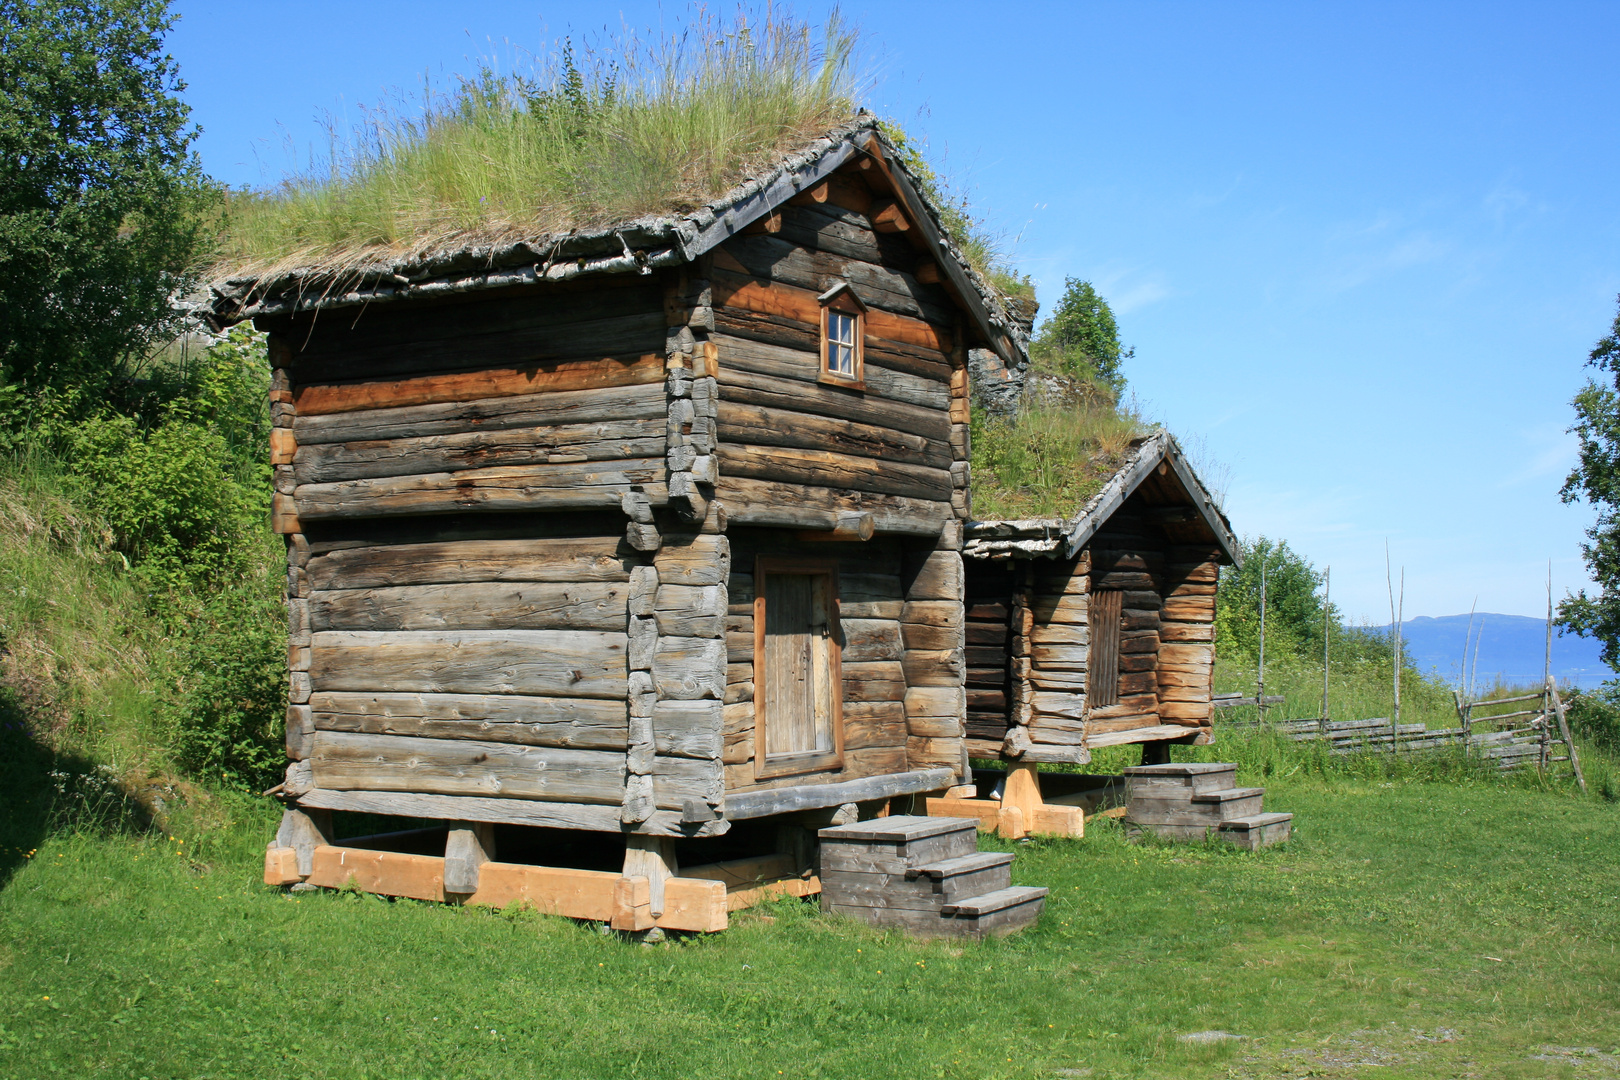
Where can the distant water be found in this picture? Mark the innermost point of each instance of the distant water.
(1512, 649)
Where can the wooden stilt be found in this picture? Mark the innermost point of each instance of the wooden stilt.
(653, 858)
(303, 831)
(469, 846)
(1023, 790)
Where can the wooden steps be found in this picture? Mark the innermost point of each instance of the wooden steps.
(1194, 801)
(923, 875)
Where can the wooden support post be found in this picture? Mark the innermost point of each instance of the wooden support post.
(469, 846)
(1156, 753)
(304, 831)
(653, 858)
(1563, 729)
(799, 844)
(1023, 790)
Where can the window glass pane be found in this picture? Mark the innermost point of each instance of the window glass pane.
(840, 343)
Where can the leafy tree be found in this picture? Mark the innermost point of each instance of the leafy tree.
(102, 199)
(1597, 480)
(1081, 338)
(1293, 606)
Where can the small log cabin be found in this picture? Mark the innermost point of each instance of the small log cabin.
(1089, 632)
(653, 534)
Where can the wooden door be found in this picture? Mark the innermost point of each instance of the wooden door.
(1102, 665)
(798, 714)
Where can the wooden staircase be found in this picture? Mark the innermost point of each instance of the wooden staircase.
(1191, 802)
(923, 875)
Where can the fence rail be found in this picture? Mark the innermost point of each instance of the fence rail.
(1541, 742)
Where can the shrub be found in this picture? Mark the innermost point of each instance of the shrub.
(1595, 714)
(185, 499)
(230, 683)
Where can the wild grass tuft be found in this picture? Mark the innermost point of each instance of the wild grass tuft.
(631, 129)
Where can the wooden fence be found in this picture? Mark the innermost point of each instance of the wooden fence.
(1535, 735)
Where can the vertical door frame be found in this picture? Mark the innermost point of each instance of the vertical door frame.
(815, 761)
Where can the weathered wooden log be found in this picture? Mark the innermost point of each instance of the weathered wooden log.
(868, 640)
(1183, 632)
(346, 761)
(700, 559)
(792, 354)
(547, 815)
(794, 506)
(948, 701)
(733, 290)
(876, 723)
(601, 441)
(609, 404)
(931, 667)
(691, 610)
(771, 389)
(1059, 657)
(570, 348)
(1071, 609)
(855, 527)
(940, 576)
(933, 638)
(688, 728)
(476, 606)
(879, 681)
(560, 486)
(791, 263)
(563, 663)
(686, 669)
(578, 723)
(822, 468)
(495, 380)
(800, 797)
(584, 559)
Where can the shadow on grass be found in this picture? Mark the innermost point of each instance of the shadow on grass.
(44, 792)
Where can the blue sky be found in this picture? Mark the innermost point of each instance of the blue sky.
(1362, 250)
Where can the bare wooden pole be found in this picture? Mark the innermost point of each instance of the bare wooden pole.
(1260, 676)
(1327, 606)
(1468, 637)
(1563, 729)
(1547, 671)
(1395, 640)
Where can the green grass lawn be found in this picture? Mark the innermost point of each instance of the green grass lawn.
(1410, 929)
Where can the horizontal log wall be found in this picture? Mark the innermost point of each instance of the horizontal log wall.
(493, 668)
(554, 400)
(1187, 630)
(1166, 641)
(1127, 555)
(987, 641)
(933, 631)
(795, 452)
(872, 600)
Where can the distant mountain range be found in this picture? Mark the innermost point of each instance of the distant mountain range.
(1512, 649)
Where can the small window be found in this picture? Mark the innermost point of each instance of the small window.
(798, 684)
(843, 331)
(1102, 666)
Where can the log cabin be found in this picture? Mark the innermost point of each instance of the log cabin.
(647, 539)
(1088, 632)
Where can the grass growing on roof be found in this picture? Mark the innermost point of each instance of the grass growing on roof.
(1054, 456)
(616, 134)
